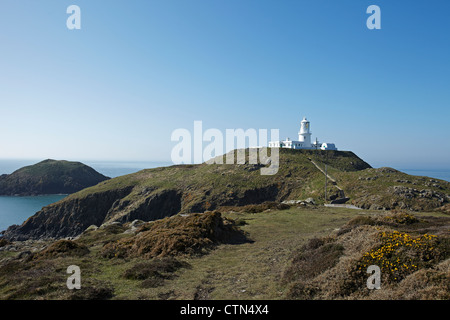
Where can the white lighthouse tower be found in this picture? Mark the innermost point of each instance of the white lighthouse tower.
(304, 135)
(304, 140)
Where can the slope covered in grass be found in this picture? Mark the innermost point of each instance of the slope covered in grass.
(49, 177)
(157, 193)
(153, 194)
(297, 253)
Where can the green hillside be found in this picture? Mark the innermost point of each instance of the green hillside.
(309, 252)
(157, 193)
(49, 177)
(213, 231)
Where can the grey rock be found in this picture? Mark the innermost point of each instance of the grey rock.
(136, 223)
(24, 254)
(107, 224)
(92, 227)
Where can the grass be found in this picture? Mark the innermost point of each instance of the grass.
(252, 270)
(388, 188)
(154, 193)
(208, 186)
(294, 253)
(247, 248)
(50, 176)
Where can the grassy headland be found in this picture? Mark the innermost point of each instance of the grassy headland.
(157, 193)
(226, 232)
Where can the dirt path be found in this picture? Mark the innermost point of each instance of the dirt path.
(254, 270)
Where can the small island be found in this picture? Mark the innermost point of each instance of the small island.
(49, 177)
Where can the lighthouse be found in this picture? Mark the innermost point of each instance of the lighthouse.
(304, 140)
(304, 135)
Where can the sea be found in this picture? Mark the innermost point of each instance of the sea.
(15, 210)
(443, 174)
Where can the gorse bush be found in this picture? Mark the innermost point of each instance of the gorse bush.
(62, 248)
(318, 255)
(397, 218)
(400, 218)
(401, 254)
(412, 254)
(193, 234)
(154, 272)
(92, 289)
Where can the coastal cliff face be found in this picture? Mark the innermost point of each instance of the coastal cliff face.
(153, 194)
(49, 177)
(67, 218)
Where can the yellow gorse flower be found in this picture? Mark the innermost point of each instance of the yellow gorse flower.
(390, 256)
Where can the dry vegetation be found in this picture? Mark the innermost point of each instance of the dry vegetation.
(191, 234)
(251, 252)
(153, 246)
(246, 244)
(414, 264)
(155, 271)
(61, 248)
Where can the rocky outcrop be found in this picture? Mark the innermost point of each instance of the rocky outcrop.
(49, 177)
(67, 218)
(158, 205)
(259, 195)
(403, 197)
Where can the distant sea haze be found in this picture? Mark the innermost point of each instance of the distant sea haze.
(114, 169)
(443, 174)
(15, 210)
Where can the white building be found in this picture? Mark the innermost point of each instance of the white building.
(304, 140)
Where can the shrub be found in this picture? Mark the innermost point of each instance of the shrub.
(157, 266)
(313, 243)
(395, 219)
(401, 254)
(357, 221)
(113, 228)
(400, 218)
(312, 259)
(302, 291)
(62, 248)
(23, 280)
(256, 208)
(154, 272)
(152, 282)
(240, 222)
(3, 242)
(362, 220)
(92, 290)
(316, 256)
(193, 234)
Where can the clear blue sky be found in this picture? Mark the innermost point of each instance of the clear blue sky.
(137, 70)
